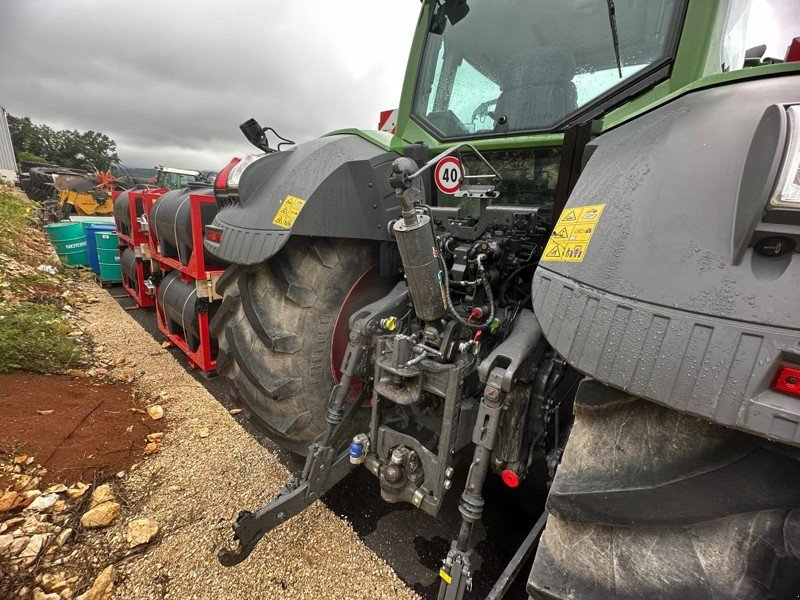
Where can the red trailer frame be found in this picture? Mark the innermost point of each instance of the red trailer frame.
(138, 238)
(205, 356)
(141, 296)
(196, 267)
(195, 272)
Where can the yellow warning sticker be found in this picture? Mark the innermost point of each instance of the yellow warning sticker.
(447, 579)
(554, 251)
(569, 216)
(570, 238)
(288, 212)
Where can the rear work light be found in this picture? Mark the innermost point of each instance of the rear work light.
(221, 182)
(236, 172)
(787, 380)
(787, 191)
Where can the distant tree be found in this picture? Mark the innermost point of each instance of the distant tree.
(29, 157)
(79, 150)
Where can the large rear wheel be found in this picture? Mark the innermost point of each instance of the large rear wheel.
(652, 503)
(278, 337)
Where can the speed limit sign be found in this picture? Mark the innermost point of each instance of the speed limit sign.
(447, 174)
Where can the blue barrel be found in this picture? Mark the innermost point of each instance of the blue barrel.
(91, 229)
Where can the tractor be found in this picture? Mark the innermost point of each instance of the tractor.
(575, 259)
(174, 179)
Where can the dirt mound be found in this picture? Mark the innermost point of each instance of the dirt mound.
(92, 428)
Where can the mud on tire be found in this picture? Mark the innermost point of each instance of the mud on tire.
(275, 327)
(651, 503)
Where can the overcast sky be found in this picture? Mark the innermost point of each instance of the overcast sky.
(171, 81)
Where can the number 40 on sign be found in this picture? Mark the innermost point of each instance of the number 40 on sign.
(447, 175)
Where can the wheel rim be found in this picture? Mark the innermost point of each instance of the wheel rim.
(368, 287)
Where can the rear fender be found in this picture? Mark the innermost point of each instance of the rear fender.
(335, 186)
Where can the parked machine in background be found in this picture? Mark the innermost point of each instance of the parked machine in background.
(174, 179)
(574, 188)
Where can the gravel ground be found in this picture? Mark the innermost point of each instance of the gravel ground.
(195, 485)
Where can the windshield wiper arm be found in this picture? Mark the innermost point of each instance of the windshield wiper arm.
(612, 20)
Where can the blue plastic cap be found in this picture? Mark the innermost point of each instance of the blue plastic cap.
(356, 450)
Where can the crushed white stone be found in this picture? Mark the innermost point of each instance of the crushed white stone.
(195, 485)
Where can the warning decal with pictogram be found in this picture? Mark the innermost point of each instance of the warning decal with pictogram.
(570, 238)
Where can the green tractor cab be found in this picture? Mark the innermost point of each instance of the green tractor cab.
(174, 179)
(571, 186)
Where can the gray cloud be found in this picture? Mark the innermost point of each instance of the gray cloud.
(171, 81)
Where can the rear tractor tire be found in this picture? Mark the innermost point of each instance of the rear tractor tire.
(275, 329)
(652, 503)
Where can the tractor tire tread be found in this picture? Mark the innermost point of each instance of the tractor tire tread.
(274, 329)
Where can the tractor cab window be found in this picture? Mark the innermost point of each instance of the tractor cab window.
(507, 66)
(166, 179)
(174, 181)
(755, 33)
(185, 180)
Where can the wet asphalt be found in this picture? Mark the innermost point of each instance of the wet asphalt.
(410, 541)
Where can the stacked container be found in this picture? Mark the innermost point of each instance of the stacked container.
(131, 222)
(184, 276)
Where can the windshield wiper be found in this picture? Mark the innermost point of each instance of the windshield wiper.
(612, 20)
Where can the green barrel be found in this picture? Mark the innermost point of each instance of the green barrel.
(108, 255)
(69, 241)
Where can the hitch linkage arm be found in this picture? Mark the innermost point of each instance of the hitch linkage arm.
(323, 468)
(294, 498)
(499, 372)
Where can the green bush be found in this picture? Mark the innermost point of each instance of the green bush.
(33, 337)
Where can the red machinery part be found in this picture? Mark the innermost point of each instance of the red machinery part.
(793, 53)
(204, 357)
(134, 282)
(787, 380)
(138, 198)
(367, 288)
(196, 268)
(510, 478)
(221, 181)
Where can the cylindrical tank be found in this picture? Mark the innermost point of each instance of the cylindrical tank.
(171, 221)
(91, 230)
(122, 211)
(69, 241)
(180, 307)
(421, 265)
(108, 259)
(129, 265)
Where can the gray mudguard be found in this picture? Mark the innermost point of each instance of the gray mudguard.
(670, 300)
(341, 181)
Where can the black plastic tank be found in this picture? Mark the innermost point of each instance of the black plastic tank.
(122, 213)
(171, 222)
(128, 266)
(180, 307)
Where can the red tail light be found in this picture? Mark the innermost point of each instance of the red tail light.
(787, 381)
(510, 478)
(221, 182)
(213, 235)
